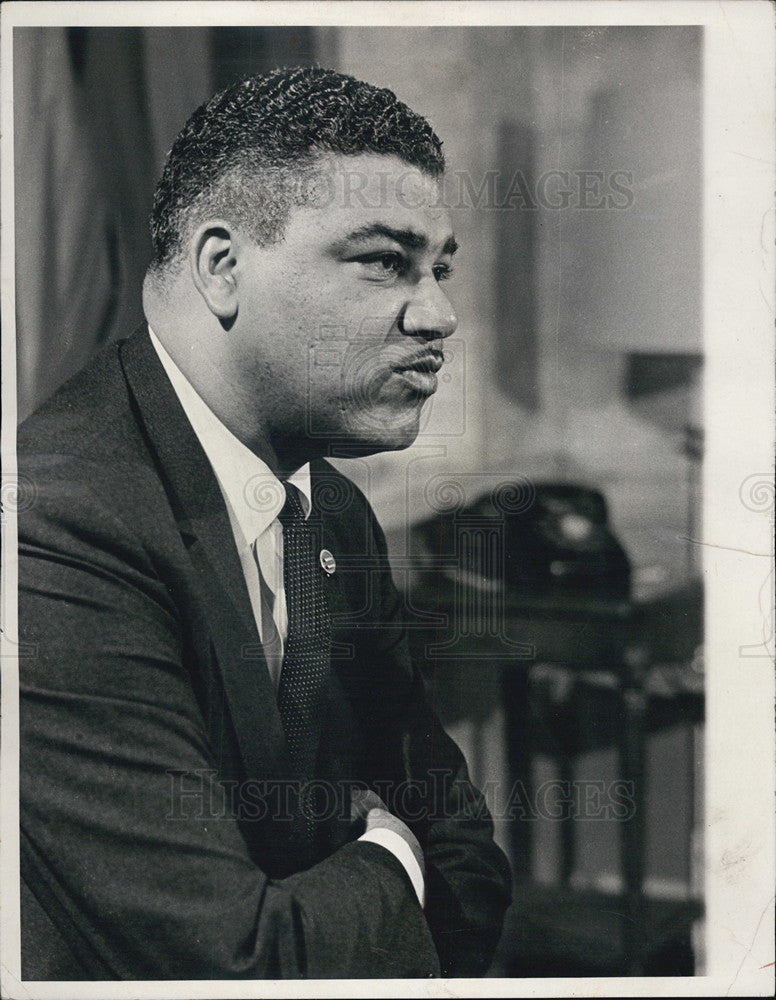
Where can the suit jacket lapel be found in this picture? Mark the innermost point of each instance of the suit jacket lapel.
(204, 524)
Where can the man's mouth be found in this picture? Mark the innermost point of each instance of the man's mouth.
(428, 361)
(420, 371)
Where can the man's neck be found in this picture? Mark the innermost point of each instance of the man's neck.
(225, 402)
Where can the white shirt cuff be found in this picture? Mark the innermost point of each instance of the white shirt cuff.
(402, 851)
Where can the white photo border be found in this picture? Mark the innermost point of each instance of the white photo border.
(739, 281)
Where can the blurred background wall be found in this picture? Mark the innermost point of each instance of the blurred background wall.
(574, 179)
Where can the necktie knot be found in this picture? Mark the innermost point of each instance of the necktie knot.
(292, 512)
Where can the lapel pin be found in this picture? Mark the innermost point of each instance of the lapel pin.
(328, 561)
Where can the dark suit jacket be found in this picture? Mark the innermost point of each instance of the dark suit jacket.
(156, 840)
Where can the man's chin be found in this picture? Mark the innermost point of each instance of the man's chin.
(371, 440)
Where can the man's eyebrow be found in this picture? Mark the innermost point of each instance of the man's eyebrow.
(404, 237)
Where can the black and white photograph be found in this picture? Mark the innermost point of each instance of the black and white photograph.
(387, 499)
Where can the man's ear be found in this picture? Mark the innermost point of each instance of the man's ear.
(212, 260)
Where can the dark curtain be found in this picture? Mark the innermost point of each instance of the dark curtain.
(96, 110)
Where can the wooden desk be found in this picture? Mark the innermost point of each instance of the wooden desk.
(453, 619)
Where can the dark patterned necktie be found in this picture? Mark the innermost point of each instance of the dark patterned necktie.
(308, 643)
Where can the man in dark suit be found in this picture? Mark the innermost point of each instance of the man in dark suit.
(228, 765)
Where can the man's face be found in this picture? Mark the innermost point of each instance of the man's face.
(340, 326)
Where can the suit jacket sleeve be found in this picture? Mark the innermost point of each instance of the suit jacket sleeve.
(468, 879)
(109, 721)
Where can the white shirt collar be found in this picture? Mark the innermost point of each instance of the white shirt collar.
(252, 491)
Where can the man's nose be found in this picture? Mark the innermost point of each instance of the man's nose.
(429, 313)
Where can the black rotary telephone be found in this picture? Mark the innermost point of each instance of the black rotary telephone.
(556, 540)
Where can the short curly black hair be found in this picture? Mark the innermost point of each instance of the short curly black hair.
(269, 129)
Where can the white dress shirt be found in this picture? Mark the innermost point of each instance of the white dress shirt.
(254, 497)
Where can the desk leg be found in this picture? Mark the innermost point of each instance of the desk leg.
(632, 829)
(518, 734)
(567, 826)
